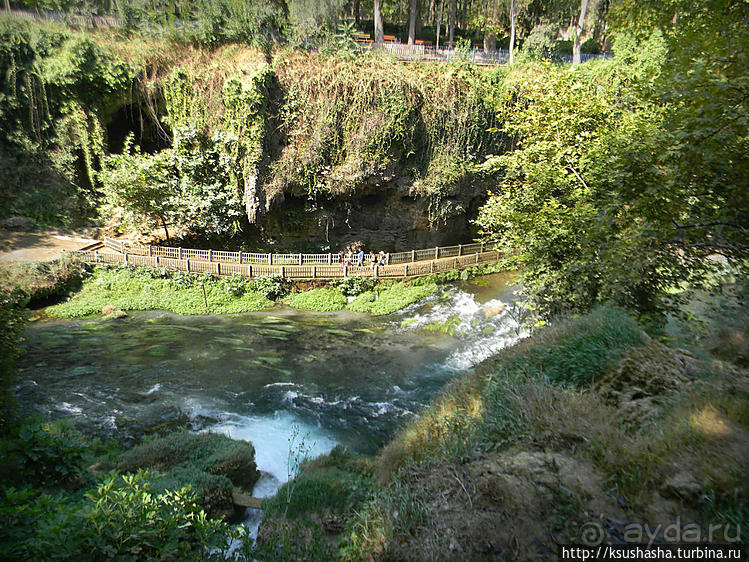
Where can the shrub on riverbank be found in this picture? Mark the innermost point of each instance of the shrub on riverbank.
(321, 300)
(153, 289)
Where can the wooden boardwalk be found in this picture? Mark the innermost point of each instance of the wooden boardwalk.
(300, 266)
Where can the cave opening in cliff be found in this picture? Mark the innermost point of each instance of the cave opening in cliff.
(148, 133)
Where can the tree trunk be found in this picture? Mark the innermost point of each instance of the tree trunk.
(379, 32)
(7, 5)
(356, 12)
(163, 223)
(414, 12)
(513, 17)
(490, 36)
(439, 22)
(430, 16)
(451, 23)
(576, 58)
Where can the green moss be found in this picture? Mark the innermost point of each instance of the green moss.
(211, 463)
(391, 298)
(322, 300)
(139, 289)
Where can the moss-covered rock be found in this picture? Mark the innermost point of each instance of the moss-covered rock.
(212, 463)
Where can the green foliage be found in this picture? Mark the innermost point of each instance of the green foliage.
(322, 300)
(338, 482)
(211, 463)
(57, 86)
(129, 519)
(271, 286)
(628, 174)
(154, 289)
(352, 286)
(42, 456)
(575, 352)
(206, 23)
(12, 325)
(390, 298)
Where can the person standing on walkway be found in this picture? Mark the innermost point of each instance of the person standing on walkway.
(360, 258)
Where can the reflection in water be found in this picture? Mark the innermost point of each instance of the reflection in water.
(343, 377)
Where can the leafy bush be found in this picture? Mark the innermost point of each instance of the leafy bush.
(12, 325)
(322, 300)
(41, 456)
(352, 286)
(271, 286)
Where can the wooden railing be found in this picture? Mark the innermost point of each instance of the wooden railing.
(293, 266)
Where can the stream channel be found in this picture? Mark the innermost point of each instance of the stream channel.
(265, 377)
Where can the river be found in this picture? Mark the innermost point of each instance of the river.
(267, 377)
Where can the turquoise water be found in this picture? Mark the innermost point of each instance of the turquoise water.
(329, 377)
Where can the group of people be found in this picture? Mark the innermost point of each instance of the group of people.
(360, 260)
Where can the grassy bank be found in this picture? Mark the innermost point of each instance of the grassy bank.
(127, 288)
(153, 289)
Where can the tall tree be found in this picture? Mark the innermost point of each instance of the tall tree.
(439, 22)
(579, 32)
(451, 23)
(379, 30)
(513, 18)
(356, 11)
(413, 13)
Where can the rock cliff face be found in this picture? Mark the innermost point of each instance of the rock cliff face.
(388, 217)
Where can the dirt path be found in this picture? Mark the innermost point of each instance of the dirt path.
(38, 246)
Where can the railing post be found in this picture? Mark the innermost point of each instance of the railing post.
(270, 259)
(477, 259)
(376, 270)
(482, 247)
(431, 266)
(149, 251)
(300, 259)
(249, 270)
(157, 261)
(187, 264)
(387, 258)
(314, 271)
(126, 257)
(413, 255)
(210, 255)
(405, 270)
(345, 270)
(437, 253)
(460, 249)
(240, 257)
(218, 268)
(283, 274)
(330, 258)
